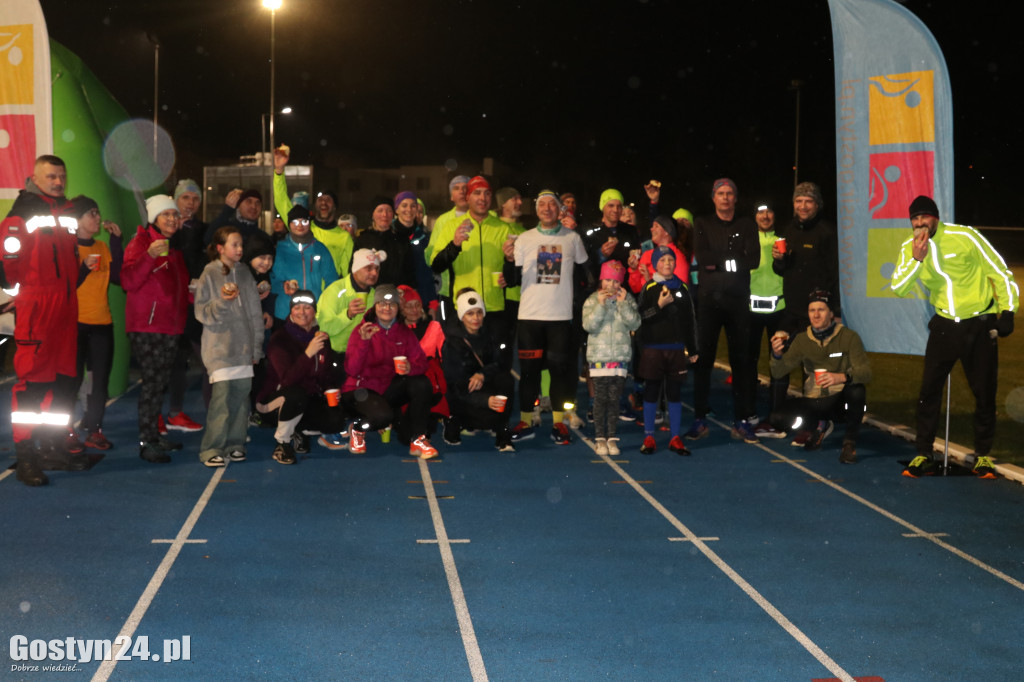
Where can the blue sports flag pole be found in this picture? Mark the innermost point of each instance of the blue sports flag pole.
(894, 141)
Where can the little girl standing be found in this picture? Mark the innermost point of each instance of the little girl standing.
(228, 305)
(609, 315)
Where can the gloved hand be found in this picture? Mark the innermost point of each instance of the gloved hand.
(1005, 323)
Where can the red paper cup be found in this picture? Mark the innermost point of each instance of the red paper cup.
(400, 364)
(502, 399)
(819, 375)
(780, 244)
(333, 396)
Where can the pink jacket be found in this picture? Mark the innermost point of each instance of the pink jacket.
(156, 288)
(370, 364)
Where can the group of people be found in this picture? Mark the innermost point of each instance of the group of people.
(322, 330)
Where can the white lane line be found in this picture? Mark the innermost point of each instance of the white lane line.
(130, 625)
(756, 596)
(473, 655)
(914, 530)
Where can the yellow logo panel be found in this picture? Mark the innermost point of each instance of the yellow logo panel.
(16, 72)
(901, 108)
(883, 256)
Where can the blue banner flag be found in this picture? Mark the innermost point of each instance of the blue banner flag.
(894, 141)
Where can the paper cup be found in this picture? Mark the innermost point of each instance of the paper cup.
(92, 260)
(400, 364)
(780, 244)
(502, 400)
(333, 396)
(819, 375)
(385, 435)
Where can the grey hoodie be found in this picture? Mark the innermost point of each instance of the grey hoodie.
(232, 330)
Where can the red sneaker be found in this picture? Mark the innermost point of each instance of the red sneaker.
(677, 446)
(182, 422)
(649, 446)
(161, 427)
(97, 441)
(357, 441)
(422, 448)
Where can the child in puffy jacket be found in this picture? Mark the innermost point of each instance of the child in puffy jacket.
(609, 315)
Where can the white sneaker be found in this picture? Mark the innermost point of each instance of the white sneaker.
(601, 446)
(613, 446)
(573, 419)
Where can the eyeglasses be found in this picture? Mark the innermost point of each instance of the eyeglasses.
(388, 304)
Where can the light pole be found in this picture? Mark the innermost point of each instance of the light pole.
(156, 86)
(273, 6)
(795, 85)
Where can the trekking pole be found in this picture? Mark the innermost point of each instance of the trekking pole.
(945, 455)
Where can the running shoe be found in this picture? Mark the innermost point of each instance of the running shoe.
(301, 443)
(677, 446)
(422, 448)
(984, 468)
(600, 446)
(522, 431)
(97, 441)
(72, 445)
(168, 445)
(152, 452)
(766, 430)
(741, 430)
(649, 446)
(698, 430)
(503, 440)
(613, 447)
(161, 425)
(560, 434)
(215, 461)
(848, 455)
(182, 422)
(357, 441)
(452, 432)
(819, 435)
(801, 438)
(332, 441)
(922, 465)
(284, 453)
(237, 456)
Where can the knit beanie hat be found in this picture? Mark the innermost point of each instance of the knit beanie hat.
(612, 269)
(469, 300)
(386, 292)
(302, 296)
(298, 213)
(683, 213)
(659, 253)
(924, 206)
(668, 225)
(607, 196)
(409, 294)
(157, 204)
(248, 194)
(402, 196)
(364, 257)
(457, 180)
(476, 182)
(809, 189)
(186, 185)
(504, 194)
(81, 205)
(820, 295)
(723, 182)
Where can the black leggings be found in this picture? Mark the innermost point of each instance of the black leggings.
(379, 411)
(546, 344)
(95, 350)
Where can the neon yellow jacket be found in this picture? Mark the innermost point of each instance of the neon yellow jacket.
(337, 240)
(332, 311)
(472, 263)
(764, 283)
(964, 275)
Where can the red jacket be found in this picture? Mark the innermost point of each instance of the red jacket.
(370, 364)
(156, 288)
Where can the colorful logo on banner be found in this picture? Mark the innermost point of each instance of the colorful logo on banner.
(17, 131)
(901, 111)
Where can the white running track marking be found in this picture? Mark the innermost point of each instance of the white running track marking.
(473, 655)
(130, 625)
(758, 598)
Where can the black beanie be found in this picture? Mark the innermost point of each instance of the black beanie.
(923, 206)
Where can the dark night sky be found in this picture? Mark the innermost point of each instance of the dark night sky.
(575, 95)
